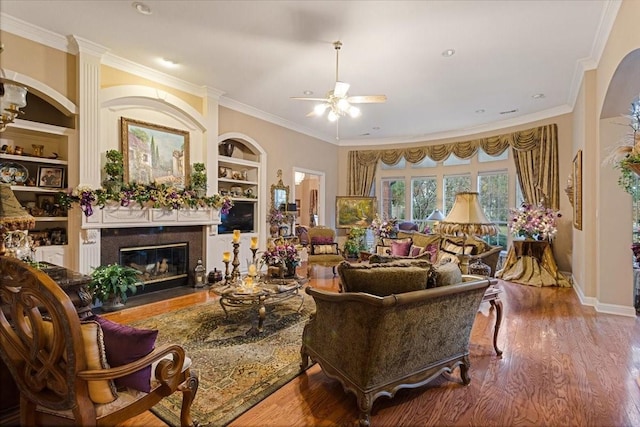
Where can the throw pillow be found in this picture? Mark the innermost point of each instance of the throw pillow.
(455, 248)
(125, 344)
(400, 248)
(331, 249)
(415, 250)
(384, 279)
(447, 274)
(383, 250)
(432, 249)
(386, 241)
(321, 240)
(100, 391)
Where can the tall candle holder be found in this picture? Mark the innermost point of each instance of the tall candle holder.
(254, 250)
(235, 273)
(227, 276)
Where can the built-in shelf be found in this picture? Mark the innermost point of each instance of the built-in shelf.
(33, 189)
(50, 218)
(33, 159)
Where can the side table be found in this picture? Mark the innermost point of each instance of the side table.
(492, 295)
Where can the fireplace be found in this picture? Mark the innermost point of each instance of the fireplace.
(165, 256)
(157, 263)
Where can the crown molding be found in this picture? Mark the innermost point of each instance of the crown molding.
(583, 65)
(271, 118)
(31, 32)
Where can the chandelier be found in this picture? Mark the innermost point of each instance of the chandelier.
(12, 99)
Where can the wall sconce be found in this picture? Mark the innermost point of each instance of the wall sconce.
(12, 99)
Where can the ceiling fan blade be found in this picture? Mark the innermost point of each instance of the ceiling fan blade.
(311, 114)
(367, 99)
(341, 89)
(310, 99)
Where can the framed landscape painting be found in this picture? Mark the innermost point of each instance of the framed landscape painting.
(352, 211)
(154, 153)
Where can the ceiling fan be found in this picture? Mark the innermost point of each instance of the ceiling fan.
(338, 102)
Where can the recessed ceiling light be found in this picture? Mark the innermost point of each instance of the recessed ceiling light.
(308, 92)
(141, 8)
(515, 110)
(449, 52)
(480, 111)
(170, 63)
(538, 96)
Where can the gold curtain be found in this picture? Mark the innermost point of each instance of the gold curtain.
(535, 153)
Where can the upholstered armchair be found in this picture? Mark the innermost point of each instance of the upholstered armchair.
(376, 343)
(59, 363)
(323, 249)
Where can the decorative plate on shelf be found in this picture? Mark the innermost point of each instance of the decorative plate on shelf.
(13, 173)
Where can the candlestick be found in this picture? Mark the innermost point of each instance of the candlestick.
(236, 236)
(252, 270)
(227, 276)
(254, 242)
(235, 273)
(226, 256)
(254, 250)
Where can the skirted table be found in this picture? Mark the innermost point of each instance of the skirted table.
(531, 262)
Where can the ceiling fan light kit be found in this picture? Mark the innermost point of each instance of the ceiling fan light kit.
(338, 102)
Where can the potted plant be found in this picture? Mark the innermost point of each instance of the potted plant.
(199, 179)
(110, 283)
(114, 168)
(355, 242)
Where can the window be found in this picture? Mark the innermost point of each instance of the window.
(392, 198)
(454, 184)
(423, 199)
(453, 160)
(493, 189)
(484, 157)
(402, 163)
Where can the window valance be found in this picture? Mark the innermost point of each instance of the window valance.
(535, 154)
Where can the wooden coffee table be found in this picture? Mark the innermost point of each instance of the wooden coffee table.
(270, 291)
(493, 296)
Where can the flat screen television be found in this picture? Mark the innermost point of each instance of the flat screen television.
(240, 217)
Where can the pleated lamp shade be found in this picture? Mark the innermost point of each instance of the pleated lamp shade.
(12, 215)
(467, 217)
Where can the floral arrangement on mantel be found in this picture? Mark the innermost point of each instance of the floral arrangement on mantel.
(534, 222)
(626, 157)
(383, 228)
(158, 196)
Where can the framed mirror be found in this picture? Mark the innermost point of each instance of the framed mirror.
(279, 192)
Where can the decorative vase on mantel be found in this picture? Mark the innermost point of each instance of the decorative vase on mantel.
(113, 303)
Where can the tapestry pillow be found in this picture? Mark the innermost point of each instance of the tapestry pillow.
(447, 274)
(415, 250)
(125, 344)
(326, 249)
(400, 248)
(455, 248)
(386, 241)
(384, 279)
(100, 391)
(383, 250)
(420, 239)
(321, 240)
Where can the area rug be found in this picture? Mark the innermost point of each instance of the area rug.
(237, 369)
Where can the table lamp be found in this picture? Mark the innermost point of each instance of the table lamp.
(467, 218)
(13, 216)
(436, 216)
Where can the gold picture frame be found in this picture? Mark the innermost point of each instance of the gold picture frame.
(577, 190)
(154, 153)
(352, 211)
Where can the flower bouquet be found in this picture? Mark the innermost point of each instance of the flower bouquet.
(534, 222)
(282, 255)
(626, 157)
(384, 228)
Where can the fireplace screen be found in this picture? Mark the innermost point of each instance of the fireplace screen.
(157, 263)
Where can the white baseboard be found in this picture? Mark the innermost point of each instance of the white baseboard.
(619, 310)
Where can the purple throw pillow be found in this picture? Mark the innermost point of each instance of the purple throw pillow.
(320, 240)
(433, 250)
(400, 248)
(125, 344)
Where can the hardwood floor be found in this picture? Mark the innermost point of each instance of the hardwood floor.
(563, 364)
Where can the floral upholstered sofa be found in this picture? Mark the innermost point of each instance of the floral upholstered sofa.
(412, 244)
(387, 331)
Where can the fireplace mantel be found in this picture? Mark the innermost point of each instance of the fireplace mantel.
(117, 216)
